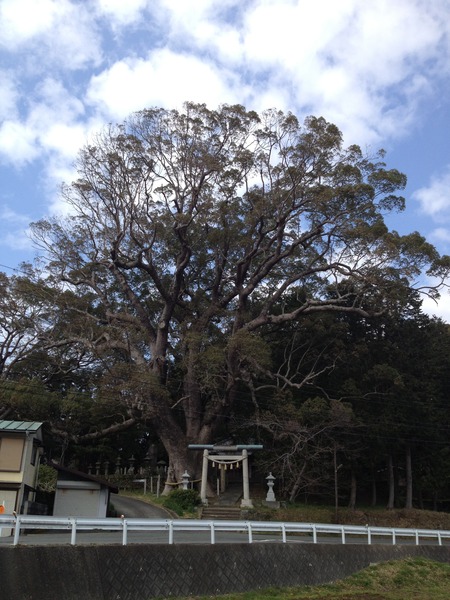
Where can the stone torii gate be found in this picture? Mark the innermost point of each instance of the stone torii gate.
(226, 456)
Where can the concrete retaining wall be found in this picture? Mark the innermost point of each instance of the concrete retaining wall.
(140, 572)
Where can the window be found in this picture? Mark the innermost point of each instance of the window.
(11, 450)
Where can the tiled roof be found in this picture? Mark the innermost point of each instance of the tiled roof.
(19, 426)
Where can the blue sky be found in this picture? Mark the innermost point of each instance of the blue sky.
(380, 70)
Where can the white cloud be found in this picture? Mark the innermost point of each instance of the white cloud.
(64, 139)
(441, 308)
(344, 60)
(9, 215)
(165, 79)
(18, 240)
(56, 31)
(17, 143)
(21, 20)
(52, 94)
(434, 199)
(121, 12)
(384, 40)
(51, 125)
(16, 237)
(8, 95)
(441, 235)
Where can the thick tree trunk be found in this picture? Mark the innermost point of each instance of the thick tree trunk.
(178, 464)
(391, 482)
(176, 443)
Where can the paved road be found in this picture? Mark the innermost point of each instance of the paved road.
(132, 508)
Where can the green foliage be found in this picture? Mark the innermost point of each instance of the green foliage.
(213, 266)
(417, 578)
(124, 481)
(47, 478)
(182, 501)
(250, 350)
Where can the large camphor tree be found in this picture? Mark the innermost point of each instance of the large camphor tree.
(187, 232)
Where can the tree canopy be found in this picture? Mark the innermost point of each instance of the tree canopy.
(191, 233)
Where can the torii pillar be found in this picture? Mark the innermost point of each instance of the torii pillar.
(245, 502)
(204, 477)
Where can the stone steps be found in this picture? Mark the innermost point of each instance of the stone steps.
(224, 513)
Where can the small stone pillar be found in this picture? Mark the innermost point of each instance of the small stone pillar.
(185, 480)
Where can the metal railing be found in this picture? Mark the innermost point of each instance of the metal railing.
(284, 532)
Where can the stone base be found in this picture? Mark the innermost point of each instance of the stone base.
(246, 503)
(271, 503)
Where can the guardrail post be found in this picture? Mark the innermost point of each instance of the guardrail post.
(213, 533)
(369, 536)
(393, 537)
(170, 532)
(250, 532)
(124, 532)
(439, 538)
(314, 530)
(73, 536)
(17, 531)
(283, 532)
(417, 537)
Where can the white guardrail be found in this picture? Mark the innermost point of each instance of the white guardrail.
(315, 531)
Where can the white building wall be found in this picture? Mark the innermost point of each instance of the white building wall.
(80, 499)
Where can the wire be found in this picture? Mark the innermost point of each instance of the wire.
(13, 269)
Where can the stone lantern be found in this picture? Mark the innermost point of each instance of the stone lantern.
(270, 498)
(185, 480)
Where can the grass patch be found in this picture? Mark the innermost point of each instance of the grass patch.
(412, 579)
(139, 495)
(182, 501)
(374, 516)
